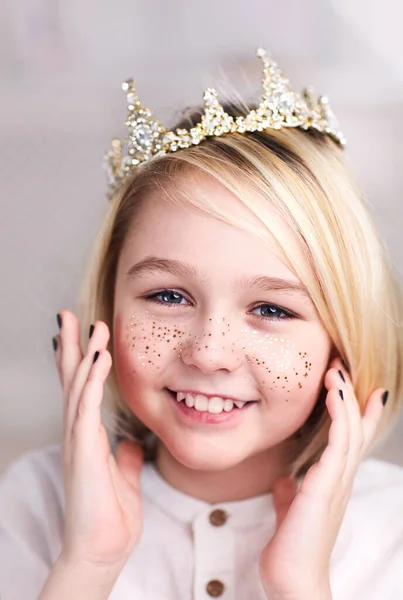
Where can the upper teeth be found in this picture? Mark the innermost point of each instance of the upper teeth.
(212, 405)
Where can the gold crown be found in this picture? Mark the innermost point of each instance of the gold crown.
(279, 107)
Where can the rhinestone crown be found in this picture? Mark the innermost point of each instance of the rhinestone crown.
(279, 107)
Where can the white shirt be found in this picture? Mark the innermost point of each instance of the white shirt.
(181, 550)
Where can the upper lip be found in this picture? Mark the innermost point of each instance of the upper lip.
(226, 396)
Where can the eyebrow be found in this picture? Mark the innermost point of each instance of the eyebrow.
(151, 264)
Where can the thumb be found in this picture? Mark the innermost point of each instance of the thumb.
(284, 491)
(129, 460)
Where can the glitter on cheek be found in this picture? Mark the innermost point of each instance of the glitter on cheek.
(275, 362)
(281, 365)
(151, 340)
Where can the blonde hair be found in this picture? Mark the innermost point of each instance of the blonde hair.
(305, 178)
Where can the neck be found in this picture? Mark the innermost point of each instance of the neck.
(253, 477)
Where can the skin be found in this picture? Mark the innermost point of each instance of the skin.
(103, 516)
(213, 337)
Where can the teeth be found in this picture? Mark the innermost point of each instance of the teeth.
(214, 405)
(201, 403)
(228, 405)
(189, 399)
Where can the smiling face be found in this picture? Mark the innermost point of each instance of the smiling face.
(201, 306)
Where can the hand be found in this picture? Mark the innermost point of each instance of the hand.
(103, 502)
(297, 558)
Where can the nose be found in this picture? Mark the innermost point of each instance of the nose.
(212, 348)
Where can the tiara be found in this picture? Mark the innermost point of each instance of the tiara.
(279, 107)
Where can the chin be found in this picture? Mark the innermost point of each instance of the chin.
(205, 456)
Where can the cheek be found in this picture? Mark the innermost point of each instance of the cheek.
(286, 369)
(143, 346)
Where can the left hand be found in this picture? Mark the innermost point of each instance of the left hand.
(297, 558)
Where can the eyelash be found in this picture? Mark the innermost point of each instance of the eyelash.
(153, 298)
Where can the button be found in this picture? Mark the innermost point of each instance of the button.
(218, 517)
(215, 588)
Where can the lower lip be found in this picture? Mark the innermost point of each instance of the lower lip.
(191, 414)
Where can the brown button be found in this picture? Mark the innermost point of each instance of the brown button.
(218, 517)
(215, 588)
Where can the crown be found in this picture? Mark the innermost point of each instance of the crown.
(279, 107)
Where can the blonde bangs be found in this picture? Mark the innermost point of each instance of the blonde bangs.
(304, 180)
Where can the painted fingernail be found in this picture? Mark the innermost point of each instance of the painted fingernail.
(59, 320)
(385, 397)
(95, 356)
(54, 342)
(341, 394)
(91, 330)
(342, 376)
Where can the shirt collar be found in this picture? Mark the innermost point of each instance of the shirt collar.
(185, 508)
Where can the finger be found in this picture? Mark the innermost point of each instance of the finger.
(97, 343)
(336, 378)
(70, 349)
(87, 422)
(323, 479)
(57, 355)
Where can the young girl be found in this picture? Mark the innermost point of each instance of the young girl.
(243, 317)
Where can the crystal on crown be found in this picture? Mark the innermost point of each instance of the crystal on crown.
(279, 107)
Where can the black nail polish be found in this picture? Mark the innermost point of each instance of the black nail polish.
(91, 330)
(341, 394)
(54, 342)
(385, 397)
(95, 356)
(342, 376)
(59, 320)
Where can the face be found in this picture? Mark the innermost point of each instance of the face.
(205, 316)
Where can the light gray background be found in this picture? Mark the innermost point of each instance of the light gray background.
(61, 66)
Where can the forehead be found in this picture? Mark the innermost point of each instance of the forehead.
(174, 224)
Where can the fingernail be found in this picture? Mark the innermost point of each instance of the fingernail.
(95, 356)
(54, 342)
(341, 394)
(59, 320)
(91, 330)
(342, 376)
(385, 397)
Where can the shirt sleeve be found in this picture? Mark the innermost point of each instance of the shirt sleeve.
(31, 524)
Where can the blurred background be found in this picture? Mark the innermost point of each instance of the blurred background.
(61, 68)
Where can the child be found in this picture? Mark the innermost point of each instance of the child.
(244, 318)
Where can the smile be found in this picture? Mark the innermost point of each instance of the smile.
(213, 409)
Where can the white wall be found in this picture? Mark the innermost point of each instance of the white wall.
(61, 66)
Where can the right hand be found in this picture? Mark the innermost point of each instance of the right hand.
(103, 519)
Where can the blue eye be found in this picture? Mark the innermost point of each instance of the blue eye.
(170, 298)
(273, 312)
